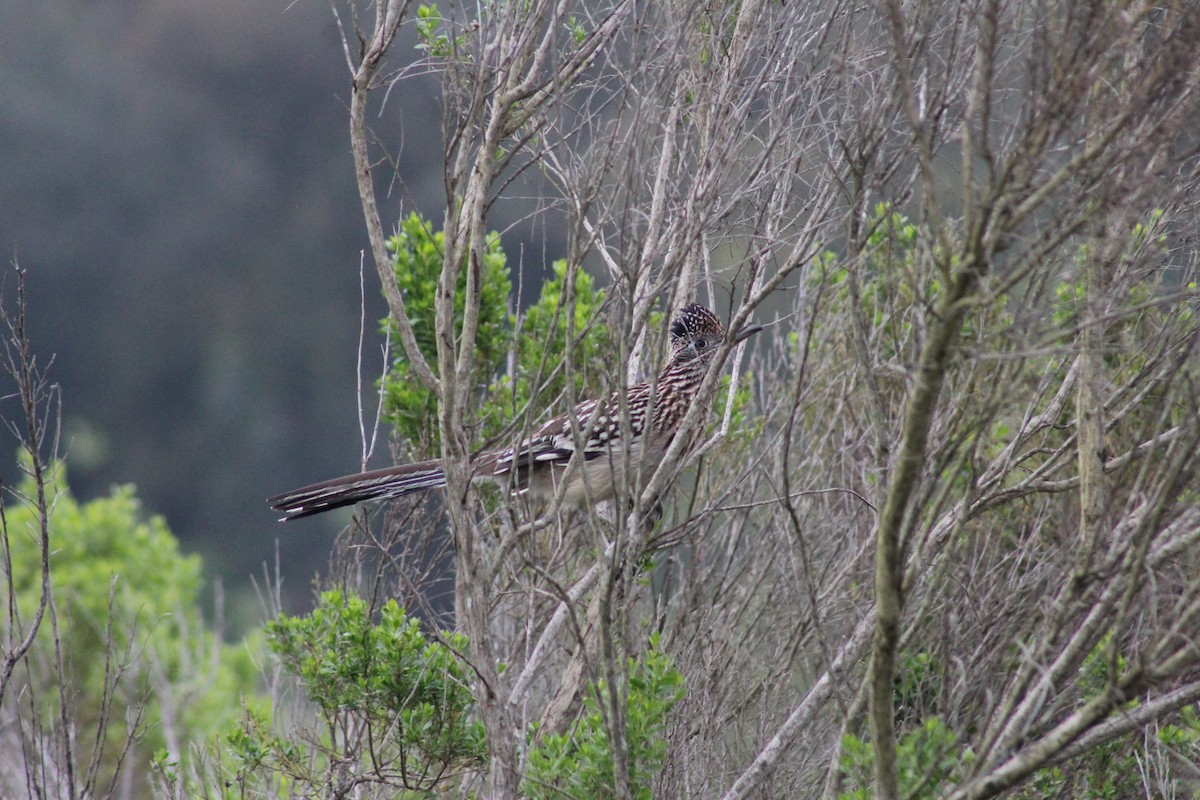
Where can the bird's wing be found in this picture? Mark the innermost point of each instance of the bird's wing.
(556, 441)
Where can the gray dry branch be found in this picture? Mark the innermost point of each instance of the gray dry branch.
(38, 419)
(49, 747)
(957, 490)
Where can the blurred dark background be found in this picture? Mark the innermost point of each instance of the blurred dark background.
(176, 179)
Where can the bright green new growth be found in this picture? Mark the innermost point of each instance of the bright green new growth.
(579, 763)
(431, 36)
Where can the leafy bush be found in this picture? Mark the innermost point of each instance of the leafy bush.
(928, 759)
(418, 253)
(391, 704)
(535, 359)
(140, 665)
(579, 763)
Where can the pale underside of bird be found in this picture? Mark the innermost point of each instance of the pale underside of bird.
(598, 446)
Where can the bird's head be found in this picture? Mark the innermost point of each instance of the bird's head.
(696, 334)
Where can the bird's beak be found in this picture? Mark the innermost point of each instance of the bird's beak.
(746, 332)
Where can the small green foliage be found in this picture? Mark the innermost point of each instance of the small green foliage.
(1070, 296)
(1186, 734)
(431, 36)
(928, 760)
(538, 355)
(258, 762)
(1068, 300)
(579, 763)
(1150, 232)
(1097, 674)
(418, 255)
(892, 231)
(888, 295)
(576, 28)
(248, 743)
(413, 693)
(928, 756)
(917, 682)
(1109, 771)
(743, 427)
(389, 703)
(541, 348)
(166, 771)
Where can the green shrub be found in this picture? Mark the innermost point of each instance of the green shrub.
(390, 703)
(579, 763)
(132, 633)
(418, 254)
(928, 760)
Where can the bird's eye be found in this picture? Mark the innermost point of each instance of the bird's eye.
(701, 344)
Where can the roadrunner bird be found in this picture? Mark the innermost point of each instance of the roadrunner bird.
(538, 464)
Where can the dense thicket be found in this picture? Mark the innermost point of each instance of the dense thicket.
(938, 533)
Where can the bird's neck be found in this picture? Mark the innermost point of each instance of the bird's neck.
(681, 375)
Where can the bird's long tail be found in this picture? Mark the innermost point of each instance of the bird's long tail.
(351, 489)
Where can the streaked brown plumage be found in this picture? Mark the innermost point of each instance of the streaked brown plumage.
(540, 461)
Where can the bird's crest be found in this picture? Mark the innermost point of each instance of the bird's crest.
(693, 319)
